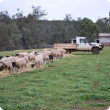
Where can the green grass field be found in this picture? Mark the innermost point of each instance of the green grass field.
(78, 82)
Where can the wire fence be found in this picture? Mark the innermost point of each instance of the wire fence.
(11, 48)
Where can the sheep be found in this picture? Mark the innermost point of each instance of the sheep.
(7, 64)
(12, 59)
(23, 53)
(44, 57)
(50, 58)
(19, 55)
(31, 56)
(59, 54)
(1, 57)
(26, 58)
(1, 66)
(53, 52)
(8, 55)
(62, 50)
(34, 52)
(47, 52)
(38, 61)
(20, 63)
(39, 56)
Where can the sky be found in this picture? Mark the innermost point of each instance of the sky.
(57, 9)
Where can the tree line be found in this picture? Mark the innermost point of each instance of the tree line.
(32, 30)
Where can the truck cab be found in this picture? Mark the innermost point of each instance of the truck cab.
(85, 45)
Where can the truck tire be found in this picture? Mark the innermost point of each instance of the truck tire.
(95, 50)
(68, 50)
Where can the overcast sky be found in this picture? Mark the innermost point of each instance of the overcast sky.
(57, 9)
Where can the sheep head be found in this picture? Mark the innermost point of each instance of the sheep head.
(32, 65)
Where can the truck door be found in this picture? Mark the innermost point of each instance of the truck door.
(83, 44)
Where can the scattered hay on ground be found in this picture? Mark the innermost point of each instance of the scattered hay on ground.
(67, 55)
(5, 72)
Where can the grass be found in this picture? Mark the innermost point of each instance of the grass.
(81, 81)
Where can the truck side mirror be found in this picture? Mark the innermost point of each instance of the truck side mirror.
(97, 41)
(85, 41)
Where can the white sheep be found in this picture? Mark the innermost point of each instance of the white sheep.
(37, 62)
(53, 52)
(34, 52)
(12, 59)
(62, 50)
(7, 64)
(44, 54)
(26, 58)
(1, 66)
(31, 56)
(59, 54)
(23, 53)
(20, 63)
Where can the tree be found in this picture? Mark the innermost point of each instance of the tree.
(69, 33)
(5, 18)
(103, 25)
(68, 18)
(89, 29)
(14, 34)
(37, 12)
(4, 38)
(58, 32)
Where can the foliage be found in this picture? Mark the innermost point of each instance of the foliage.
(4, 38)
(89, 29)
(33, 29)
(103, 27)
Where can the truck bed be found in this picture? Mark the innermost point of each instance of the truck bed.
(65, 46)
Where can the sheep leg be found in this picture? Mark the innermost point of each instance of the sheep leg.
(16, 69)
(19, 70)
(22, 69)
(47, 61)
(12, 69)
(26, 67)
(35, 67)
(50, 61)
(42, 65)
(9, 70)
(44, 61)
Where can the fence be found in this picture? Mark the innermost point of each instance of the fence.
(10, 48)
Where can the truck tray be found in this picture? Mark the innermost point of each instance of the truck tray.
(65, 46)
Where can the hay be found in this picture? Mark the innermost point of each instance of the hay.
(5, 72)
(67, 55)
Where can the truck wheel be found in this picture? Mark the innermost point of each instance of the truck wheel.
(68, 50)
(95, 50)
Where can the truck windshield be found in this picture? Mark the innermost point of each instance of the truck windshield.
(88, 41)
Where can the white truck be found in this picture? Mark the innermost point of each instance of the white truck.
(80, 44)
